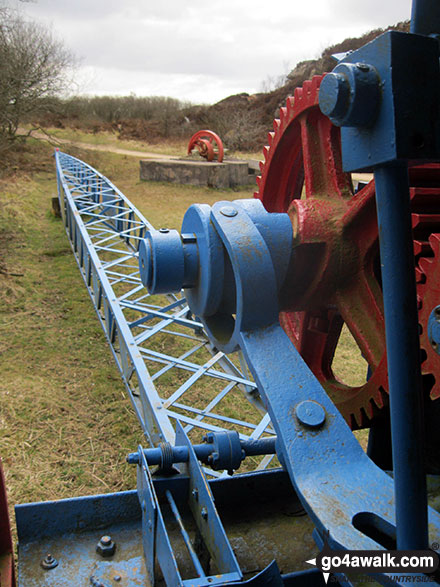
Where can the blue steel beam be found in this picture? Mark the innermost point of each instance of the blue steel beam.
(343, 492)
(403, 354)
(105, 230)
(347, 497)
(370, 95)
(425, 17)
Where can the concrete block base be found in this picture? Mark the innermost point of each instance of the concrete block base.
(217, 175)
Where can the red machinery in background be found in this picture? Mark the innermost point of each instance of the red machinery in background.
(208, 144)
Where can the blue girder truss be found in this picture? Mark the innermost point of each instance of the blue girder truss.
(201, 382)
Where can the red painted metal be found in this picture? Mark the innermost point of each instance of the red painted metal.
(7, 573)
(335, 271)
(208, 144)
(426, 228)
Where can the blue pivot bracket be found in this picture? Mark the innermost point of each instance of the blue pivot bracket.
(199, 498)
(154, 532)
(344, 493)
(221, 450)
(385, 96)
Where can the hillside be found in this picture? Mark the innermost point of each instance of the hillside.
(260, 109)
(241, 120)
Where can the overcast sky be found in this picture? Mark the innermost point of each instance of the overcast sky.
(201, 50)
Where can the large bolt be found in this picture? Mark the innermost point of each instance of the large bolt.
(310, 414)
(350, 95)
(228, 211)
(106, 547)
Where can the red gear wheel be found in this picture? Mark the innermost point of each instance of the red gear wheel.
(428, 294)
(209, 145)
(335, 276)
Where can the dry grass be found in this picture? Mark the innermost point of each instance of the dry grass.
(65, 422)
(66, 425)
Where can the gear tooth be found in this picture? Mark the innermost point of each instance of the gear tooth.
(297, 94)
(378, 400)
(420, 247)
(425, 264)
(270, 137)
(434, 241)
(367, 413)
(259, 181)
(307, 86)
(415, 220)
(266, 149)
(289, 104)
(276, 124)
(435, 391)
(420, 276)
(283, 114)
(316, 82)
(261, 166)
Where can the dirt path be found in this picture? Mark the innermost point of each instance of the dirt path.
(363, 177)
(104, 148)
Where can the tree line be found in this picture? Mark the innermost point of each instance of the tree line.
(36, 70)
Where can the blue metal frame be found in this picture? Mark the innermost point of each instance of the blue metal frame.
(232, 260)
(70, 528)
(325, 462)
(105, 230)
(403, 124)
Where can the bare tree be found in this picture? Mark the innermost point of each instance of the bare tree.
(33, 66)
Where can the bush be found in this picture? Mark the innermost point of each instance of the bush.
(33, 67)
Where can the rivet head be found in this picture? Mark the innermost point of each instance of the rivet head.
(204, 513)
(164, 230)
(49, 562)
(310, 413)
(363, 66)
(228, 211)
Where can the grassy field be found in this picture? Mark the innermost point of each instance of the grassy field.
(66, 425)
(172, 147)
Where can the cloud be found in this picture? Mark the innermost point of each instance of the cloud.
(140, 44)
(375, 13)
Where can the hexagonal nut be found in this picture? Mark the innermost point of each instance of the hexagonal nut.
(106, 547)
